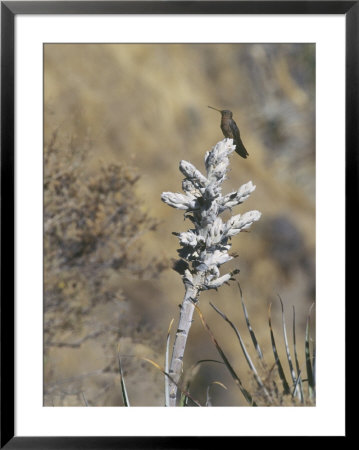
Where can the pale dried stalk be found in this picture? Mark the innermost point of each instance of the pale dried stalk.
(184, 324)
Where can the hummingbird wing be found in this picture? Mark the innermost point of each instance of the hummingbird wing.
(237, 141)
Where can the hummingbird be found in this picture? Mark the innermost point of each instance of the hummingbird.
(230, 130)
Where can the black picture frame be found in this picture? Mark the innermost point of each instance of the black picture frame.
(9, 10)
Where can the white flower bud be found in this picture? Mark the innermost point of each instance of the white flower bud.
(212, 273)
(236, 198)
(217, 161)
(238, 223)
(189, 188)
(192, 173)
(219, 171)
(212, 191)
(216, 283)
(179, 201)
(217, 258)
(215, 232)
(190, 238)
(244, 191)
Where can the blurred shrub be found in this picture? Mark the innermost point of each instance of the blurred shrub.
(93, 224)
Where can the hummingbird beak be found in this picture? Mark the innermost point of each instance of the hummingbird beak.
(215, 109)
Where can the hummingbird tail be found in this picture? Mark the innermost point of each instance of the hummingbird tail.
(241, 150)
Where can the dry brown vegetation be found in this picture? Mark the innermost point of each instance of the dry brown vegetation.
(93, 224)
(112, 108)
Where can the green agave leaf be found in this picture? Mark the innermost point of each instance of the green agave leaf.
(84, 398)
(276, 356)
(250, 329)
(310, 375)
(235, 377)
(245, 352)
(167, 392)
(251, 332)
(126, 401)
(286, 343)
(296, 385)
(299, 378)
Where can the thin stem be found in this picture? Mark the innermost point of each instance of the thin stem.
(184, 325)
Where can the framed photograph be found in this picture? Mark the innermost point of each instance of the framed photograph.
(134, 281)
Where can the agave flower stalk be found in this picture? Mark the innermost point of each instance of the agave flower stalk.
(204, 248)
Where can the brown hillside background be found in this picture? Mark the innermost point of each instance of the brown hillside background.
(144, 107)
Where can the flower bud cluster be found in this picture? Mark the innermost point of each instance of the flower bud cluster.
(205, 247)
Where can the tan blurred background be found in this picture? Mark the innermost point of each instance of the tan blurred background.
(146, 106)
